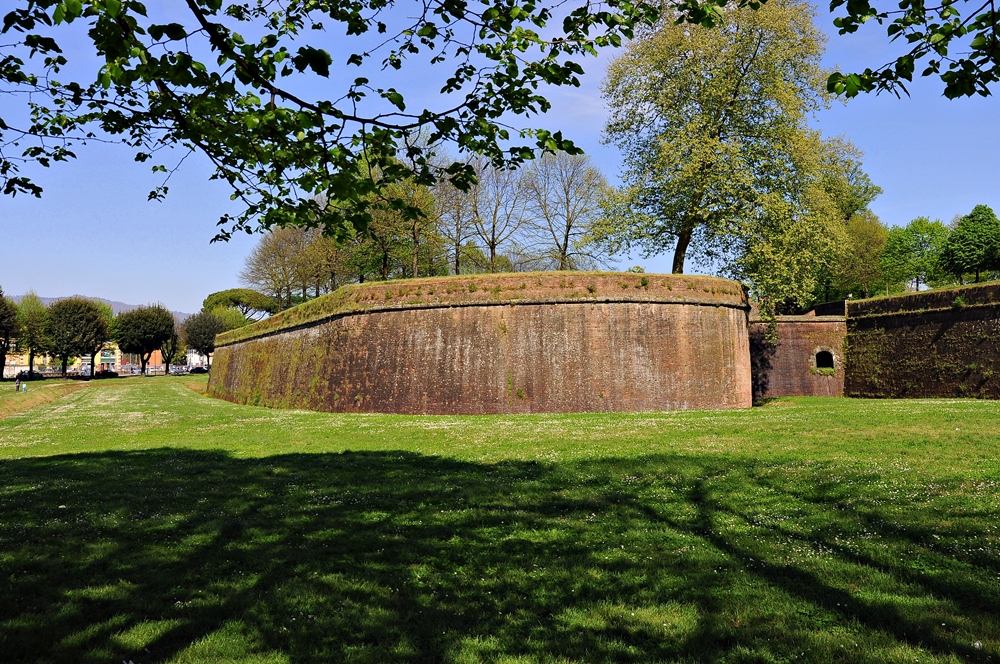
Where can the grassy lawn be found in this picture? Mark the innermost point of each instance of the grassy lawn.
(141, 521)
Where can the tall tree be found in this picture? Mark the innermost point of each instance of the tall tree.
(98, 329)
(333, 263)
(77, 327)
(143, 330)
(500, 209)
(973, 245)
(455, 210)
(9, 328)
(200, 331)
(719, 162)
(274, 266)
(33, 319)
(170, 349)
(861, 269)
(564, 198)
(912, 253)
(707, 119)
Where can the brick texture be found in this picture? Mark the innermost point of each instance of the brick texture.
(943, 343)
(659, 342)
(788, 368)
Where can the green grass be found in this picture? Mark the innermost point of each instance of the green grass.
(141, 521)
(38, 393)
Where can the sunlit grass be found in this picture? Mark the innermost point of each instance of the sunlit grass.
(142, 521)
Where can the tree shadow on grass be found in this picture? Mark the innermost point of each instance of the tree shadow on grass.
(177, 555)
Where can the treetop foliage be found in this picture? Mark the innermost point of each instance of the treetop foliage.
(144, 330)
(955, 40)
(200, 331)
(249, 302)
(973, 245)
(203, 83)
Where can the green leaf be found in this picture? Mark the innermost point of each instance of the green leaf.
(313, 58)
(395, 99)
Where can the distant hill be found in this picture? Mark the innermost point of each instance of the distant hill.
(116, 307)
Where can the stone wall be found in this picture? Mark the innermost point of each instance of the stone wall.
(517, 343)
(942, 343)
(788, 368)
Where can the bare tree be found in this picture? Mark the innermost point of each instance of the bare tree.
(456, 221)
(500, 206)
(331, 263)
(563, 197)
(275, 265)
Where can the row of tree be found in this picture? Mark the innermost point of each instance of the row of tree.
(536, 218)
(922, 253)
(720, 166)
(78, 327)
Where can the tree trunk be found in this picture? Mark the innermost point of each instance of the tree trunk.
(385, 266)
(65, 363)
(458, 258)
(416, 249)
(92, 358)
(680, 252)
(31, 362)
(564, 250)
(143, 360)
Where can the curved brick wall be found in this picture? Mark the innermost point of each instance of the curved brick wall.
(513, 343)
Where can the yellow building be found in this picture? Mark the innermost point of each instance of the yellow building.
(109, 359)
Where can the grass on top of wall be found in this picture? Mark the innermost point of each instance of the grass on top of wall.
(488, 288)
(141, 521)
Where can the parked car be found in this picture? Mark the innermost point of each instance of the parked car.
(29, 375)
(107, 373)
(198, 370)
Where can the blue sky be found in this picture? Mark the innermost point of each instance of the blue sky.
(94, 233)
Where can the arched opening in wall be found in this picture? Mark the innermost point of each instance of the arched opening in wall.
(824, 359)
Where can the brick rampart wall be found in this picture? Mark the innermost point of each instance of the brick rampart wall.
(565, 343)
(788, 367)
(943, 343)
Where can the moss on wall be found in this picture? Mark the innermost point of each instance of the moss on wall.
(942, 343)
(679, 344)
